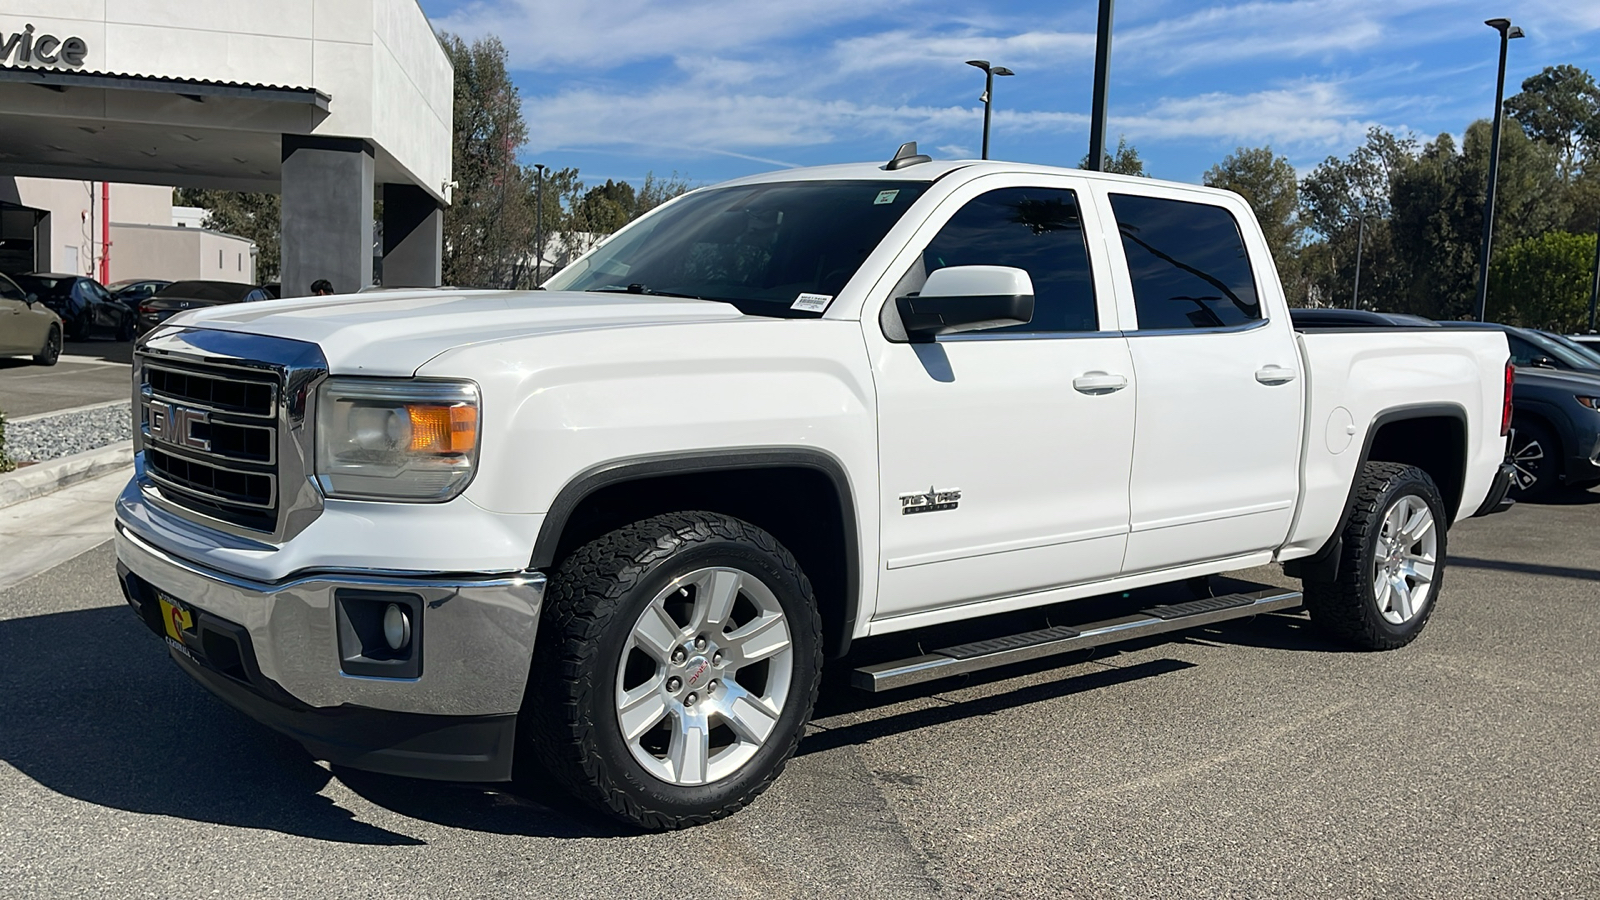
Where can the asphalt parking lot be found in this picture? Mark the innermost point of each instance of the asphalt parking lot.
(1249, 760)
(89, 372)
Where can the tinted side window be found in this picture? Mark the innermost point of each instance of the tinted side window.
(1034, 229)
(1188, 264)
(9, 290)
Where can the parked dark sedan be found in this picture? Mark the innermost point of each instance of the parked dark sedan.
(182, 295)
(1532, 349)
(133, 290)
(87, 309)
(1555, 431)
(1330, 317)
(1592, 341)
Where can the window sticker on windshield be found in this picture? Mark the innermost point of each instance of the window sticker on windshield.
(812, 302)
(885, 197)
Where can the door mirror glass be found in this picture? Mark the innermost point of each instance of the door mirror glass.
(1544, 362)
(967, 298)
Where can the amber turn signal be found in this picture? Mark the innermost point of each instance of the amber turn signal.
(443, 429)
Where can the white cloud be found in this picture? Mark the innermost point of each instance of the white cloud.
(1271, 30)
(600, 35)
(901, 50)
(1310, 114)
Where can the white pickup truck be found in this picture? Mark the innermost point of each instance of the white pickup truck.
(614, 528)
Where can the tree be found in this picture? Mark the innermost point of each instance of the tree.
(1125, 161)
(656, 191)
(1560, 107)
(489, 223)
(1346, 203)
(1543, 282)
(1268, 183)
(255, 216)
(1438, 213)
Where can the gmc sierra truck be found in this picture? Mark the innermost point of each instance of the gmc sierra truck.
(612, 529)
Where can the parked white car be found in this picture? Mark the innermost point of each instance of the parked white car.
(619, 524)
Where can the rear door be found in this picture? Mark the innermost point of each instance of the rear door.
(1004, 454)
(1216, 462)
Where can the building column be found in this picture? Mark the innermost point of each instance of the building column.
(413, 237)
(327, 213)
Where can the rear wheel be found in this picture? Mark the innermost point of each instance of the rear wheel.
(51, 352)
(1391, 563)
(678, 662)
(1535, 453)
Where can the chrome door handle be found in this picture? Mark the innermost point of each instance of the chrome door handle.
(1099, 383)
(1275, 375)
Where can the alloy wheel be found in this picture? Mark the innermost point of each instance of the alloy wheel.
(704, 676)
(1527, 456)
(1406, 558)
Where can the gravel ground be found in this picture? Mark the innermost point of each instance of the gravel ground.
(56, 436)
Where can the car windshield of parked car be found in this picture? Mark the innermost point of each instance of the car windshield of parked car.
(1542, 345)
(783, 249)
(210, 291)
(1590, 357)
(47, 287)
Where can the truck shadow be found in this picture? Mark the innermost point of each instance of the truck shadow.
(93, 710)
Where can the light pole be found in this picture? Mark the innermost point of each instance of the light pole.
(989, 72)
(1102, 87)
(1507, 32)
(1594, 289)
(538, 224)
(1361, 233)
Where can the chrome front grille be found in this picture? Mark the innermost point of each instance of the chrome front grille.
(223, 423)
(210, 434)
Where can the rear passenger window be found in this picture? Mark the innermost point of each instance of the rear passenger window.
(1188, 264)
(1037, 230)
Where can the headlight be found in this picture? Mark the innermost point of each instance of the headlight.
(1591, 402)
(396, 440)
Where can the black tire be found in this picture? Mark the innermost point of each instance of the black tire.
(569, 719)
(1536, 452)
(50, 353)
(1346, 606)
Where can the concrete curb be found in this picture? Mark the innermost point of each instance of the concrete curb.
(66, 412)
(48, 477)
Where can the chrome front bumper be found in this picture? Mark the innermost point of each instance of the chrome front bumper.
(476, 646)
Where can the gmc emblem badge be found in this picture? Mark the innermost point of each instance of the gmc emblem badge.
(173, 424)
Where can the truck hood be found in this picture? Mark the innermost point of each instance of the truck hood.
(395, 333)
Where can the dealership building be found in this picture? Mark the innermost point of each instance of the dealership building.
(105, 105)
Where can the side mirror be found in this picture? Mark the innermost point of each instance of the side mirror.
(31, 299)
(1543, 362)
(967, 298)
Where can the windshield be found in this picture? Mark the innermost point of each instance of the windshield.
(1572, 359)
(1587, 356)
(48, 287)
(782, 249)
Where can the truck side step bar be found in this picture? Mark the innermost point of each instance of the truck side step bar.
(1002, 651)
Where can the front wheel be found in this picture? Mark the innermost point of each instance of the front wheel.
(1392, 561)
(50, 353)
(677, 667)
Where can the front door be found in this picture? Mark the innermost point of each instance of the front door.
(1004, 454)
(1216, 470)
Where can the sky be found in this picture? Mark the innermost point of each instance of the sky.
(716, 89)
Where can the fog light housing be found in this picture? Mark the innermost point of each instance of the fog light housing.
(380, 633)
(396, 627)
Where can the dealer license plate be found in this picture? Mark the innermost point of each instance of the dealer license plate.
(177, 619)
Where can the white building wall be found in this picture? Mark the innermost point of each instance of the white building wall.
(379, 60)
(177, 253)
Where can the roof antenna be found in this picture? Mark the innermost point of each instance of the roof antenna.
(907, 155)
